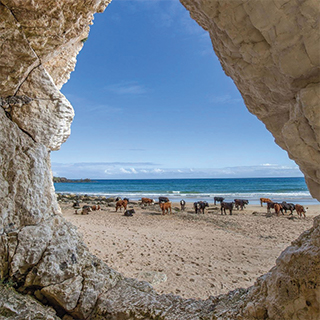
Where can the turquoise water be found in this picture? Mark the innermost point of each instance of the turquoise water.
(277, 189)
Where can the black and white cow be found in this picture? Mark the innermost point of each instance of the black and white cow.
(182, 205)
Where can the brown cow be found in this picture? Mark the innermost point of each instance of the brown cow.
(271, 205)
(264, 200)
(277, 208)
(165, 206)
(300, 210)
(147, 201)
(95, 207)
(120, 204)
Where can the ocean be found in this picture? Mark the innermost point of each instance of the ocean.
(277, 189)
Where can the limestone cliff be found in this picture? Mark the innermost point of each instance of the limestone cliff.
(269, 48)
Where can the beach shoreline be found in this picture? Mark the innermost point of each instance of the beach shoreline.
(190, 200)
(291, 190)
(188, 254)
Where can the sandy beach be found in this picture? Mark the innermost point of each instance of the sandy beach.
(191, 255)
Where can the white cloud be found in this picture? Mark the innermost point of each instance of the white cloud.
(117, 170)
(224, 99)
(132, 88)
(103, 108)
(127, 171)
(123, 170)
(109, 171)
(227, 171)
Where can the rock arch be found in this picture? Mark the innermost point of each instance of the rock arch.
(269, 48)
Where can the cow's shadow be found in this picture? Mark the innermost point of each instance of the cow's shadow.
(152, 213)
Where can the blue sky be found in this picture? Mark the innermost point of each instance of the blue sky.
(152, 101)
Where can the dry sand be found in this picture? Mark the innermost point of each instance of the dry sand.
(201, 255)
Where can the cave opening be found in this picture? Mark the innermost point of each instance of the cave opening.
(126, 82)
(44, 251)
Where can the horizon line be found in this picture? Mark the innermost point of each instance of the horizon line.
(277, 177)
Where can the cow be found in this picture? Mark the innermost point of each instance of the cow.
(300, 210)
(228, 206)
(95, 207)
(240, 203)
(288, 206)
(264, 200)
(129, 213)
(76, 205)
(163, 200)
(196, 207)
(200, 206)
(218, 199)
(146, 201)
(86, 210)
(277, 208)
(165, 207)
(120, 204)
(182, 205)
(271, 205)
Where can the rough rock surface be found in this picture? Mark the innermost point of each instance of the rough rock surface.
(291, 289)
(269, 48)
(271, 51)
(16, 306)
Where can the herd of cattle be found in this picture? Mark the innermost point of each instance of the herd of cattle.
(283, 206)
(199, 206)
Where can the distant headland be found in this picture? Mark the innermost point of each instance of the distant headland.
(63, 179)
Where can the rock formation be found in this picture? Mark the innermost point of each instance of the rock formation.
(270, 49)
